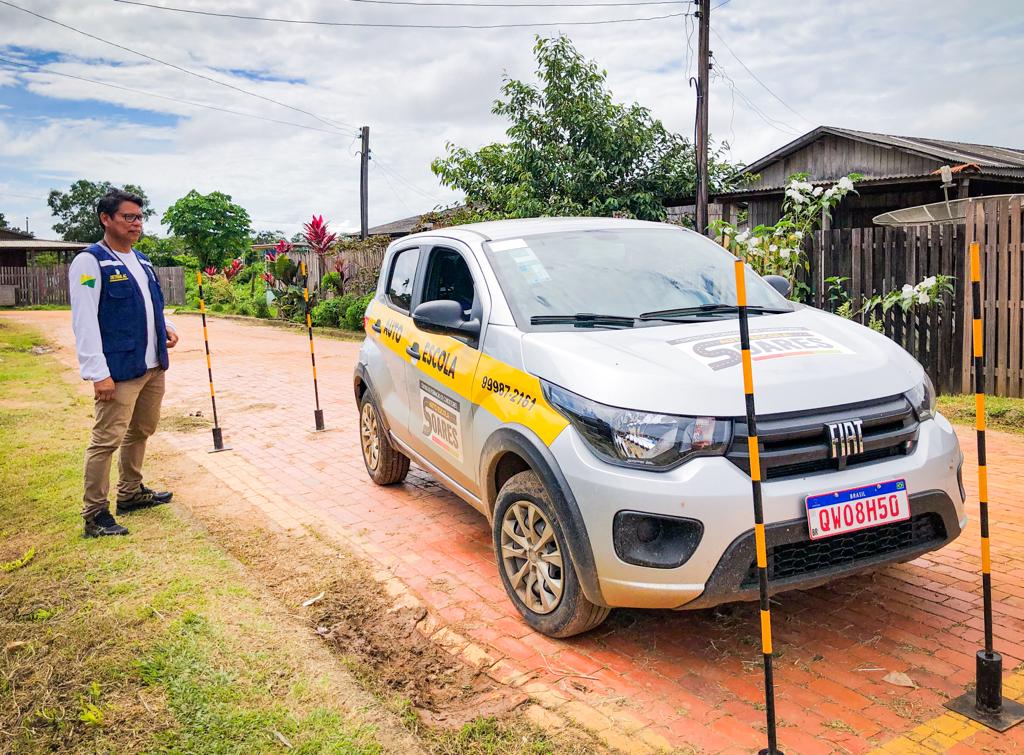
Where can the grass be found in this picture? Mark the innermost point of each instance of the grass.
(1005, 414)
(37, 307)
(155, 642)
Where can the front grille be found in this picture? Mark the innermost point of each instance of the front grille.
(796, 444)
(807, 557)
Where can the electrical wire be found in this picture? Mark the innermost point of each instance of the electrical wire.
(444, 3)
(360, 24)
(757, 78)
(44, 71)
(391, 186)
(778, 125)
(399, 177)
(339, 125)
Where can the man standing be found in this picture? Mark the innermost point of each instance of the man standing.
(117, 312)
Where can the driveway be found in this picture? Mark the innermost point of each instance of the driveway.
(645, 680)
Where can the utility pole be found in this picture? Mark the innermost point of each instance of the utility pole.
(364, 181)
(703, 79)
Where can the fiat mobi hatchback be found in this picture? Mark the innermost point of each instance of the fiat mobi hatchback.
(578, 381)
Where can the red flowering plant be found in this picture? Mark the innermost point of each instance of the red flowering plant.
(230, 271)
(283, 277)
(210, 271)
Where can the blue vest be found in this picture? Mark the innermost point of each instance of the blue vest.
(122, 316)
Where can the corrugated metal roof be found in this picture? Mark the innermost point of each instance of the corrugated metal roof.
(40, 245)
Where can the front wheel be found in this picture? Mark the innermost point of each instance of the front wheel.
(535, 565)
(384, 464)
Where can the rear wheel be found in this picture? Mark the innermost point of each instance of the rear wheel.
(384, 464)
(535, 565)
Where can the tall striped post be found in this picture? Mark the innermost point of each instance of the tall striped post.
(759, 536)
(218, 440)
(986, 704)
(318, 413)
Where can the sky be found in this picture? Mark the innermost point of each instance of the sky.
(933, 68)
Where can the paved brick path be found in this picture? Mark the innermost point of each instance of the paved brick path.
(643, 681)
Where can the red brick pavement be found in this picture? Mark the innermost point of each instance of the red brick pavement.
(645, 680)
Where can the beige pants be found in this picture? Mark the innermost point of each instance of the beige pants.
(124, 422)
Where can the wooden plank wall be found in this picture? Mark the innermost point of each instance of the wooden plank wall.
(49, 284)
(996, 225)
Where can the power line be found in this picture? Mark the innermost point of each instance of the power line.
(394, 192)
(164, 97)
(757, 79)
(356, 24)
(780, 126)
(444, 3)
(399, 177)
(175, 67)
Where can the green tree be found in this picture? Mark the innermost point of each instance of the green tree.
(75, 209)
(574, 151)
(3, 222)
(213, 227)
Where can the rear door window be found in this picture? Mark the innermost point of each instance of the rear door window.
(403, 276)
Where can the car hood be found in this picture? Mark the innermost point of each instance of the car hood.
(804, 359)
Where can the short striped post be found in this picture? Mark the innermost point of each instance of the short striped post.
(318, 413)
(986, 704)
(759, 536)
(218, 439)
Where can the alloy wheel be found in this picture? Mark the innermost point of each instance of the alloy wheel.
(369, 436)
(531, 556)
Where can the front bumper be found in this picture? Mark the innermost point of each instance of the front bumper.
(717, 493)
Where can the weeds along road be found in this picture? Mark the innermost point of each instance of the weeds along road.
(645, 680)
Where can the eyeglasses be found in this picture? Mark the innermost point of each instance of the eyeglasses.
(131, 218)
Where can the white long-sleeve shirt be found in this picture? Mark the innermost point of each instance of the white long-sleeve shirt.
(85, 306)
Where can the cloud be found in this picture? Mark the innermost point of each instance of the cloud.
(920, 68)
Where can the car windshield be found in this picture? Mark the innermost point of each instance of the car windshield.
(621, 273)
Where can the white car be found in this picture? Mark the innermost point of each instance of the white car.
(578, 381)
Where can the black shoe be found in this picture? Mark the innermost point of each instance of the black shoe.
(103, 525)
(143, 499)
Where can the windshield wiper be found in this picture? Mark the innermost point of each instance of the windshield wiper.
(584, 319)
(707, 309)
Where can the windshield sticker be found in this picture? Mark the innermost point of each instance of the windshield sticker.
(441, 420)
(530, 267)
(719, 351)
(504, 246)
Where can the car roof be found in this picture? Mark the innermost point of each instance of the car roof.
(497, 230)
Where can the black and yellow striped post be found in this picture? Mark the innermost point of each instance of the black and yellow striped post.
(218, 439)
(986, 704)
(759, 536)
(318, 413)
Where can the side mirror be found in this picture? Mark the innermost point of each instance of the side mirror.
(779, 283)
(445, 318)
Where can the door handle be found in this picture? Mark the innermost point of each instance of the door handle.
(413, 351)
(376, 326)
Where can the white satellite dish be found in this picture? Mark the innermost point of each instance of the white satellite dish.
(953, 211)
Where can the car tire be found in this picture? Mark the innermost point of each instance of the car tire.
(534, 563)
(385, 464)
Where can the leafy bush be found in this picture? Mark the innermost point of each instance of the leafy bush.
(332, 282)
(354, 314)
(219, 294)
(331, 313)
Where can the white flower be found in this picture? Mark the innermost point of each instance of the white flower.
(908, 292)
(784, 253)
(928, 282)
(795, 195)
(845, 184)
(923, 298)
(773, 248)
(743, 236)
(779, 231)
(727, 231)
(804, 186)
(831, 192)
(818, 190)
(799, 234)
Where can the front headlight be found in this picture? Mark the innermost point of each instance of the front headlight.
(922, 398)
(640, 439)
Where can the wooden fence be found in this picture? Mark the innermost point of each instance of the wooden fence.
(880, 260)
(49, 284)
(996, 225)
